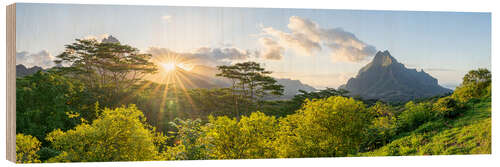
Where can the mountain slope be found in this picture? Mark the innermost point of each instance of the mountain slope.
(292, 87)
(388, 80)
(22, 71)
(468, 134)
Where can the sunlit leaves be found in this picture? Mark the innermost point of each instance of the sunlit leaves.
(117, 135)
(26, 148)
(328, 127)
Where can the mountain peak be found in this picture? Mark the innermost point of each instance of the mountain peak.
(388, 80)
(110, 39)
(384, 58)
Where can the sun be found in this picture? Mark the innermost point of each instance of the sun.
(168, 67)
(172, 66)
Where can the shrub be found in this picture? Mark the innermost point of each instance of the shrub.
(251, 137)
(382, 128)
(333, 126)
(447, 107)
(116, 135)
(414, 115)
(26, 148)
(187, 145)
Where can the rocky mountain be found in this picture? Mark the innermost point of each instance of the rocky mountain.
(292, 87)
(22, 71)
(388, 80)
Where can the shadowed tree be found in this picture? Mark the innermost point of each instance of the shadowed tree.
(250, 83)
(106, 66)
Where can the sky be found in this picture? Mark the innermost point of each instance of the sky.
(322, 48)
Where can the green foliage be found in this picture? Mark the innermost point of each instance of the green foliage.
(467, 134)
(382, 128)
(284, 108)
(188, 145)
(447, 107)
(414, 115)
(26, 148)
(250, 83)
(480, 75)
(46, 153)
(162, 107)
(117, 135)
(47, 101)
(107, 69)
(251, 137)
(475, 84)
(329, 127)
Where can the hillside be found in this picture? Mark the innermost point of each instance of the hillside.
(467, 134)
(388, 80)
(22, 71)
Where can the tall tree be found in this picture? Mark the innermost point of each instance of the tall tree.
(108, 65)
(251, 83)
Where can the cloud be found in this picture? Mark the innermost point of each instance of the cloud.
(307, 38)
(438, 69)
(42, 59)
(272, 50)
(167, 18)
(203, 55)
(97, 38)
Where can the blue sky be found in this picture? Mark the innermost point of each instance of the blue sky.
(444, 44)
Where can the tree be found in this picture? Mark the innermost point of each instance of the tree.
(26, 148)
(329, 127)
(117, 135)
(47, 101)
(250, 83)
(480, 75)
(106, 66)
(250, 137)
(287, 107)
(474, 85)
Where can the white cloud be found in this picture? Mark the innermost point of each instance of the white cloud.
(42, 59)
(272, 50)
(98, 37)
(307, 38)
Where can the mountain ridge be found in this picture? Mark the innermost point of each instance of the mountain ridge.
(384, 78)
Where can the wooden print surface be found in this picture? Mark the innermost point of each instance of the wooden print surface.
(96, 83)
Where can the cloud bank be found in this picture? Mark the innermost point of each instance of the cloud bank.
(203, 55)
(42, 59)
(307, 38)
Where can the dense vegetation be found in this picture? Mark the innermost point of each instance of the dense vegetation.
(95, 110)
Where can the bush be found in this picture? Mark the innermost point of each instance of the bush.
(475, 84)
(47, 101)
(26, 148)
(414, 115)
(382, 128)
(188, 146)
(251, 137)
(333, 126)
(116, 135)
(447, 107)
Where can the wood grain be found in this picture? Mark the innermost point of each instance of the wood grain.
(11, 83)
